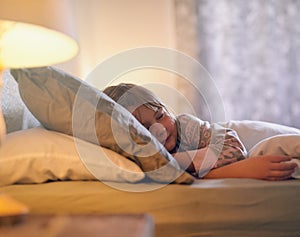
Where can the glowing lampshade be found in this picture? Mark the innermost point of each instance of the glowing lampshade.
(35, 33)
(28, 45)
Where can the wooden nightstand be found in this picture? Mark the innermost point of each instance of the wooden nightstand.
(131, 225)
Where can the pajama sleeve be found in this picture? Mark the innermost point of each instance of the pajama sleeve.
(197, 134)
(225, 143)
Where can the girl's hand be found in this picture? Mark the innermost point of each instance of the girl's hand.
(269, 167)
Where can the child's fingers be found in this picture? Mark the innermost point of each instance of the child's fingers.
(277, 159)
(283, 166)
(280, 174)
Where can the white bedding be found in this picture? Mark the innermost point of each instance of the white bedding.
(252, 132)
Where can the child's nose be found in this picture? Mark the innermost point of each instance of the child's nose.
(158, 131)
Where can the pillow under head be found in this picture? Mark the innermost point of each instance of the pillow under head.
(69, 105)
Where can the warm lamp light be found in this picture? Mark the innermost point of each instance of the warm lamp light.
(28, 45)
(35, 33)
(32, 34)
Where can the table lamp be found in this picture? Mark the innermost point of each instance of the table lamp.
(32, 34)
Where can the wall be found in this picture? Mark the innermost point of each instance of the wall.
(104, 28)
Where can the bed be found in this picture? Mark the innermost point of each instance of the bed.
(206, 208)
(43, 170)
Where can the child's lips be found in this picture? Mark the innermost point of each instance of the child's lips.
(168, 139)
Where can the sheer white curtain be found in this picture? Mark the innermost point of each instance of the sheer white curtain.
(252, 50)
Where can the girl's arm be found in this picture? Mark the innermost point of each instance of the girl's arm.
(195, 160)
(259, 167)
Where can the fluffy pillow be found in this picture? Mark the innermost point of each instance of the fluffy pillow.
(66, 104)
(252, 132)
(288, 145)
(37, 155)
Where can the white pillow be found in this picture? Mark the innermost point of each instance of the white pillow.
(288, 145)
(37, 155)
(252, 132)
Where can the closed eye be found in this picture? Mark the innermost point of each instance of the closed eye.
(160, 114)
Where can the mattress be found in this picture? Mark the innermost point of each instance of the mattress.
(221, 207)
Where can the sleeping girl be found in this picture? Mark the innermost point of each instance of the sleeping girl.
(202, 149)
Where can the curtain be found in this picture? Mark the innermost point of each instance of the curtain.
(252, 51)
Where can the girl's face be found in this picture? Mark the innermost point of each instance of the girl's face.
(160, 123)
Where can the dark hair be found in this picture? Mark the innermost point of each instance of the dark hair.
(132, 96)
